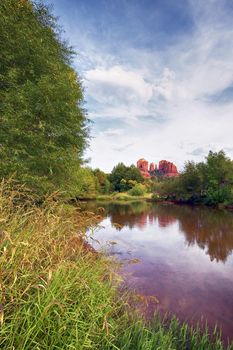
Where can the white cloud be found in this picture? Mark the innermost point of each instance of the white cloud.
(165, 86)
(117, 80)
(113, 132)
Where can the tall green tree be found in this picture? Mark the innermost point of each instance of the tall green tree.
(102, 182)
(43, 126)
(220, 177)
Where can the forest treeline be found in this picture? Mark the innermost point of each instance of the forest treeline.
(209, 182)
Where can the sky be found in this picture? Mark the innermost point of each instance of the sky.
(157, 77)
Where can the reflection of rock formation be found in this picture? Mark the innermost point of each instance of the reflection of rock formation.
(151, 218)
(142, 220)
(166, 220)
(211, 230)
(165, 168)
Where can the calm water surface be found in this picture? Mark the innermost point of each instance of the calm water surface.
(185, 257)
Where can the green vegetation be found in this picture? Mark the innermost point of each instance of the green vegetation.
(43, 124)
(102, 181)
(123, 178)
(123, 183)
(138, 190)
(56, 293)
(123, 196)
(86, 183)
(209, 182)
(51, 295)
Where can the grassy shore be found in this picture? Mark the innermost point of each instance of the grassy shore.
(118, 197)
(57, 293)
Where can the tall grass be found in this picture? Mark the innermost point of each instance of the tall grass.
(56, 293)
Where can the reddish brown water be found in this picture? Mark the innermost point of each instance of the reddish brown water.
(185, 257)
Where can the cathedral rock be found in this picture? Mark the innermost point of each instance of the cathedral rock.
(164, 168)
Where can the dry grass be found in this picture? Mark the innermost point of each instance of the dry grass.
(54, 290)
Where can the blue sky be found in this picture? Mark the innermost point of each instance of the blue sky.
(157, 74)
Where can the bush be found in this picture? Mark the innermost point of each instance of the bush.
(137, 190)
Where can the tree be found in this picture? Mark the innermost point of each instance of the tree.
(43, 126)
(86, 183)
(102, 182)
(190, 178)
(121, 177)
(220, 177)
(219, 169)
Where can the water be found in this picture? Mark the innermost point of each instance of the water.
(185, 257)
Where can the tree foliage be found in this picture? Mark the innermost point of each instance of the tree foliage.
(43, 129)
(102, 183)
(86, 183)
(122, 176)
(210, 182)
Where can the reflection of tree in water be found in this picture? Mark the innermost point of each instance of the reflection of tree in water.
(132, 215)
(139, 214)
(210, 229)
(124, 214)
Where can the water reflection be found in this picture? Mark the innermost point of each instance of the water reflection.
(210, 229)
(185, 255)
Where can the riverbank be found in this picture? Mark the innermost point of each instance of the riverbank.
(116, 197)
(58, 294)
(228, 207)
(122, 197)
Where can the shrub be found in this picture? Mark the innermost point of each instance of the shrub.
(137, 190)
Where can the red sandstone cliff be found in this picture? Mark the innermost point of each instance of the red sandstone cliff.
(152, 167)
(168, 168)
(142, 165)
(165, 168)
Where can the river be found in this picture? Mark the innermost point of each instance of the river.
(183, 257)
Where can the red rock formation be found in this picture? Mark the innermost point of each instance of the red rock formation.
(165, 168)
(142, 165)
(152, 166)
(168, 168)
